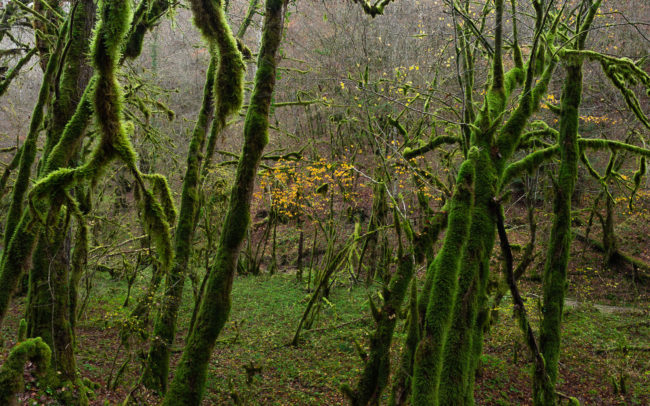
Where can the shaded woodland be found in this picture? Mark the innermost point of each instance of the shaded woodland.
(395, 202)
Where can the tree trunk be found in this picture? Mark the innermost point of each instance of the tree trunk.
(188, 384)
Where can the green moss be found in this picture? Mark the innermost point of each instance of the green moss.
(402, 380)
(187, 387)
(428, 356)
(464, 340)
(374, 377)
(11, 373)
(555, 269)
(210, 18)
(28, 154)
(157, 366)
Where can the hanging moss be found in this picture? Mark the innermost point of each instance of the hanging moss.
(12, 371)
(428, 356)
(187, 387)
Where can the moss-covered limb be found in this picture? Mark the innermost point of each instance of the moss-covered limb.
(555, 268)
(431, 145)
(527, 164)
(464, 339)
(375, 9)
(77, 267)
(622, 72)
(8, 14)
(428, 356)
(401, 388)
(516, 49)
(600, 144)
(585, 24)
(210, 18)
(28, 154)
(497, 60)
(73, 74)
(11, 373)
(374, 377)
(537, 158)
(145, 17)
(72, 134)
(18, 239)
(250, 13)
(13, 72)
(13, 164)
(427, 237)
(14, 260)
(509, 136)
(45, 25)
(188, 384)
(157, 366)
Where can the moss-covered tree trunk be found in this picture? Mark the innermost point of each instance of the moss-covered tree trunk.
(376, 371)
(157, 367)
(48, 308)
(557, 257)
(188, 384)
(428, 361)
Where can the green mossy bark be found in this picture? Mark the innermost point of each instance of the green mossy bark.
(188, 384)
(402, 380)
(28, 154)
(374, 377)
(157, 367)
(557, 258)
(145, 17)
(464, 338)
(21, 243)
(428, 356)
(48, 304)
(11, 373)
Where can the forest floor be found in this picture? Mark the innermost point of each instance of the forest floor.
(605, 350)
(602, 362)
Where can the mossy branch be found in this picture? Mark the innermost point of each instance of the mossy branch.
(13, 72)
(431, 145)
(375, 9)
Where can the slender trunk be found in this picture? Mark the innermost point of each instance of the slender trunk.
(374, 377)
(555, 269)
(157, 366)
(188, 384)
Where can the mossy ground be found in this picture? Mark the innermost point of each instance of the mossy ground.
(264, 316)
